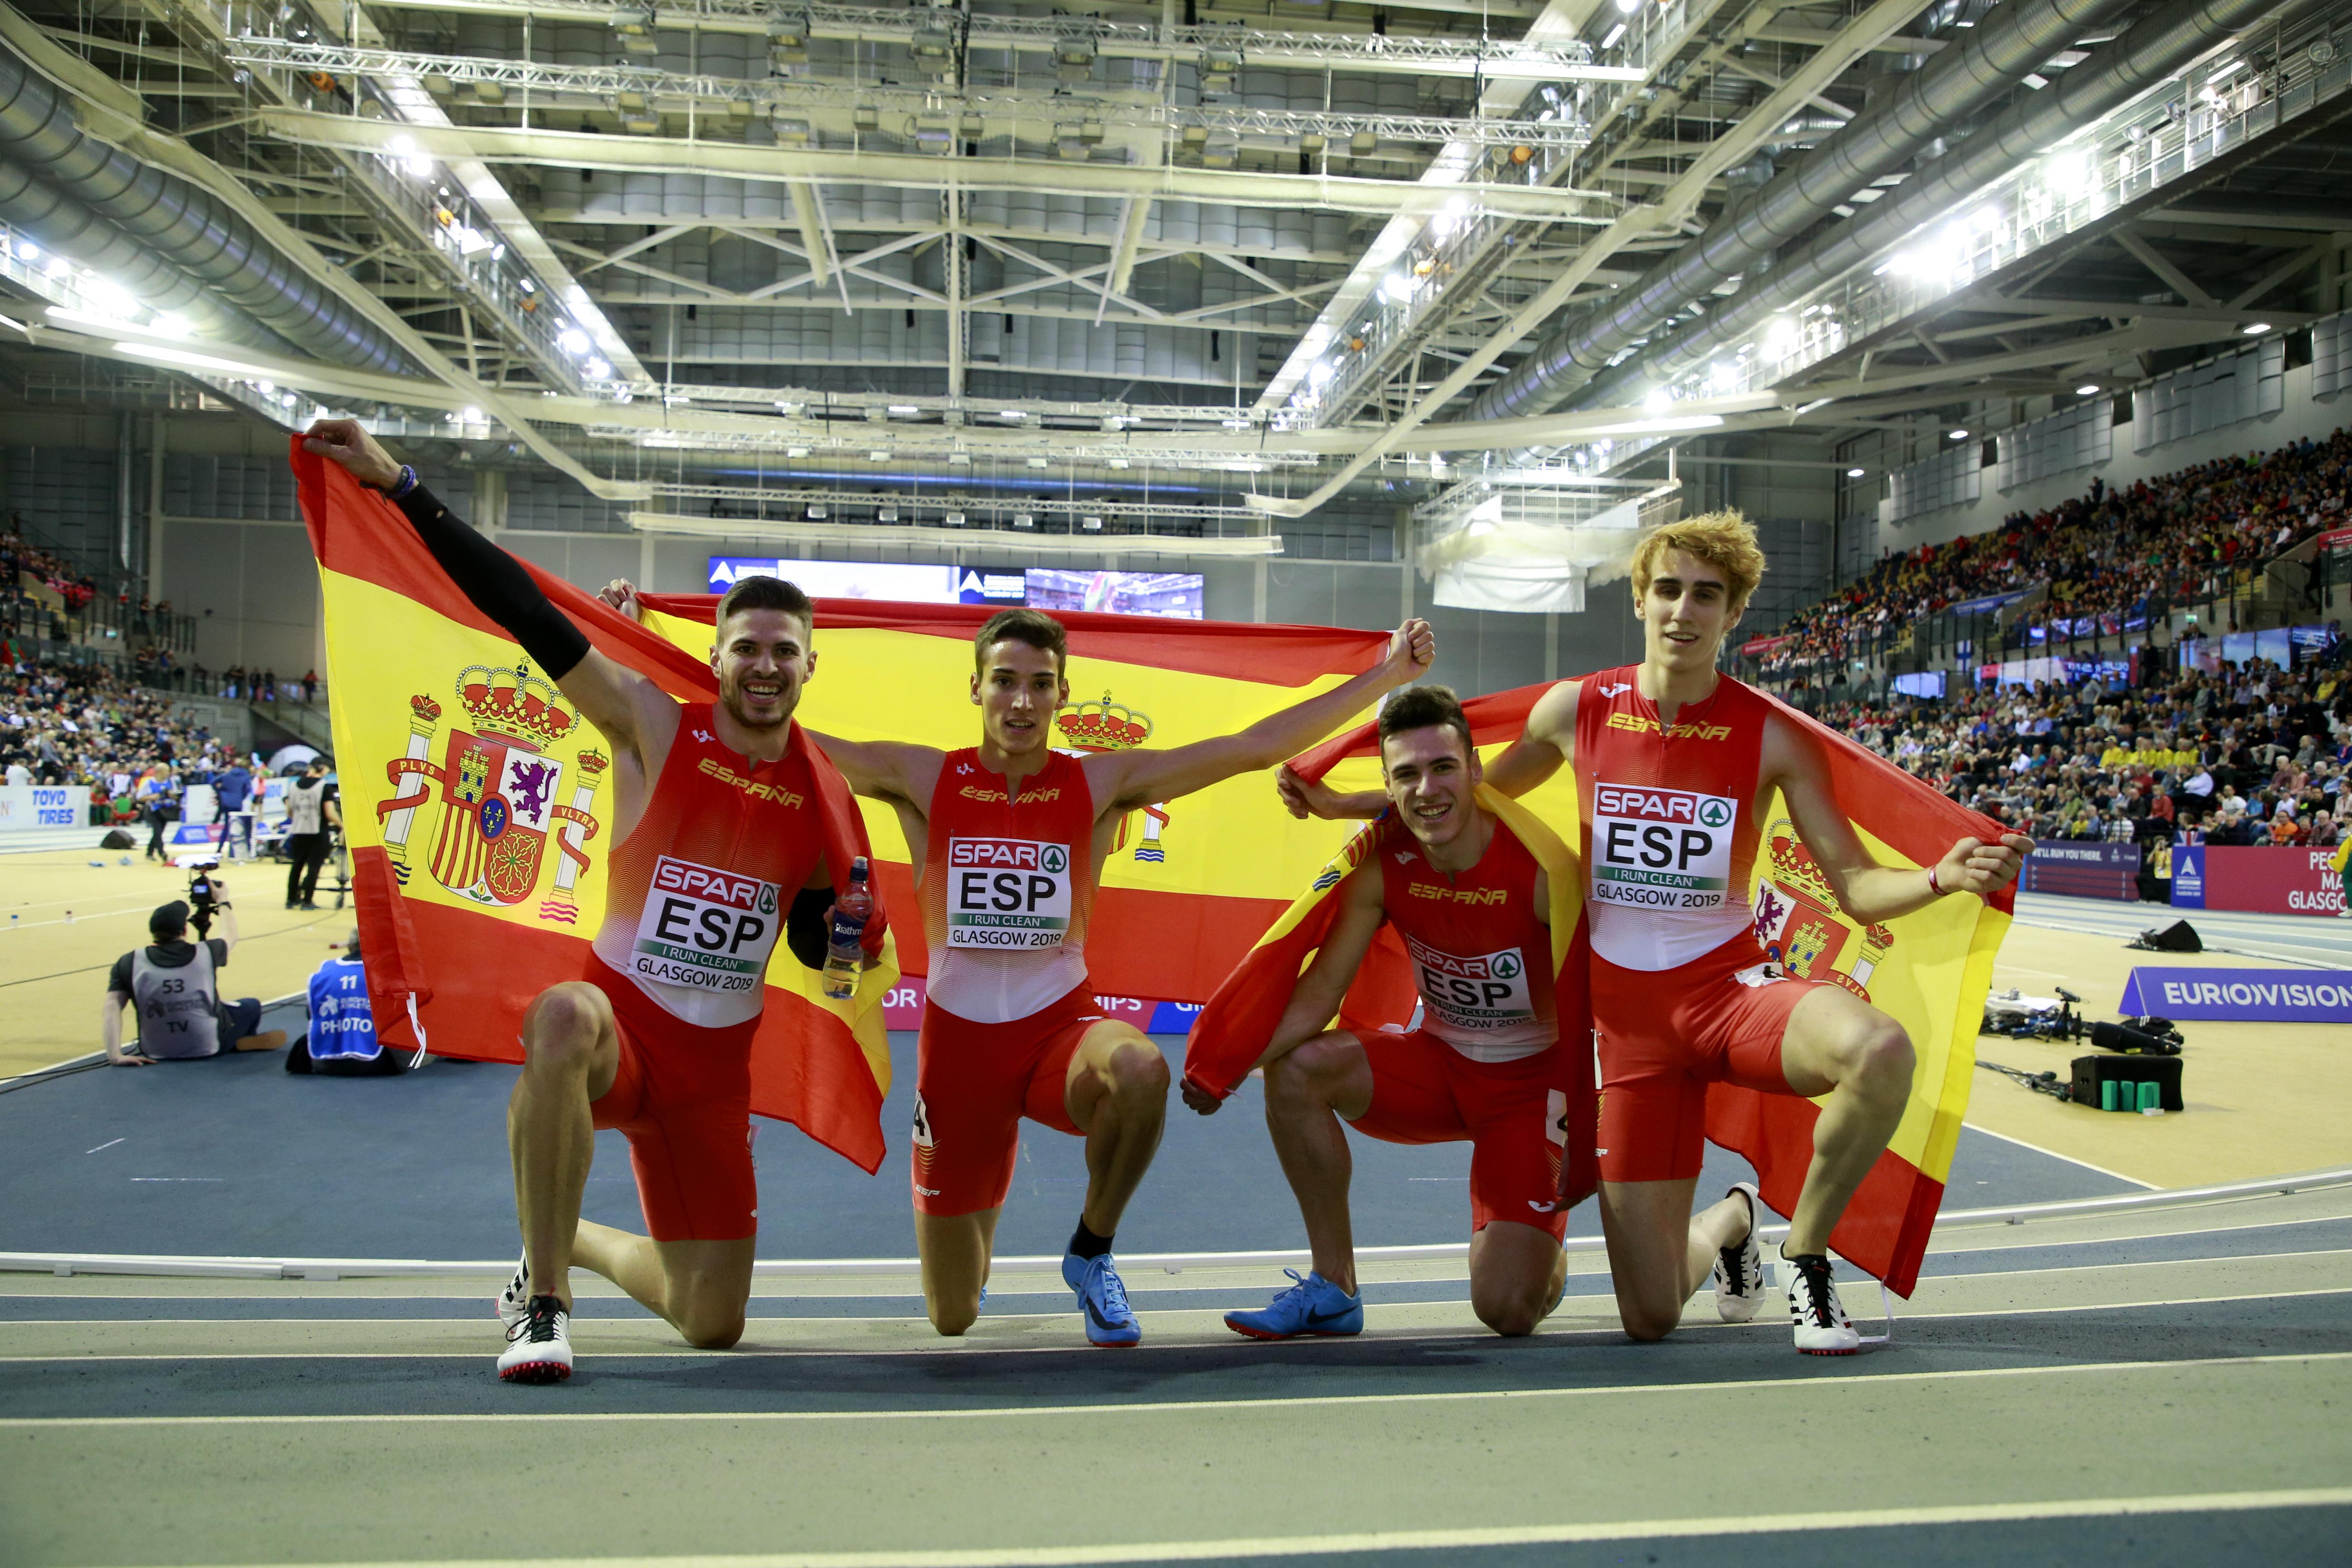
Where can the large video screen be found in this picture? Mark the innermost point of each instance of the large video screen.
(875, 580)
(1927, 683)
(1170, 593)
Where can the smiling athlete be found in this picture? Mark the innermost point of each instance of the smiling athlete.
(1008, 840)
(1674, 762)
(1473, 905)
(716, 832)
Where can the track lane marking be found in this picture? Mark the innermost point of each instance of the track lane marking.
(1465, 1539)
(1011, 1318)
(2052, 1153)
(1175, 1406)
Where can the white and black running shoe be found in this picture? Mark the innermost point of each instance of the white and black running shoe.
(539, 1348)
(513, 1304)
(1739, 1268)
(1822, 1327)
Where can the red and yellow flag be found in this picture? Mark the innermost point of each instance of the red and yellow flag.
(1190, 883)
(1929, 970)
(478, 809)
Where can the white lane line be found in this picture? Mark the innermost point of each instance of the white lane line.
(108, 1144)
(980, 1347)
(1159, 1288)
(1173, 1406)
(1464, 1540)
(2052, 1153)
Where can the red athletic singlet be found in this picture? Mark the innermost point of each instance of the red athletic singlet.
(1007, 887)
(699, 888)
(1669, 818)
(1480, 954)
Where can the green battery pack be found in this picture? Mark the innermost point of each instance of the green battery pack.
(2126, 1083)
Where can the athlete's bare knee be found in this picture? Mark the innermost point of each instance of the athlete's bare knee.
(1511, 1314)
(562, 1027)
(1138, 1074)
(1647, 1323)
(1883, 1060)
(950, 1318)
(709, 1328)
(1301, 1077)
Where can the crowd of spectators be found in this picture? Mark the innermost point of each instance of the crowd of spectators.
(2116, 561)
(82, 724)
(2249, 754)
(41, 594)
(45, 596)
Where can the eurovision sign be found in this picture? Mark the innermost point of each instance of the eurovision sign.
(2240, 995)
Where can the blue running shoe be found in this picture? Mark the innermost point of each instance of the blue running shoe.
(1313, 1306)
(1103, 1295)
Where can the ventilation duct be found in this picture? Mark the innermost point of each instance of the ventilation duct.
(189, 228)
(2114, 75)
(66, 228)
(1958, 82)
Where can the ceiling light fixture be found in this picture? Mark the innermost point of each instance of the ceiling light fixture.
(1960, 435)
(2089, 391)
(2256, 328)
(183, 356)
(1854, 473)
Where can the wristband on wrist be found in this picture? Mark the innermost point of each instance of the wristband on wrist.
(1933, 886)
(404, 484)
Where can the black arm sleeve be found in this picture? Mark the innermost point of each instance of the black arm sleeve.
(806, 931)
(497, 585)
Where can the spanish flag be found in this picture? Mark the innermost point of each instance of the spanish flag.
(1188, 883)
(1929, 970)
(1235, 1029)
(478, 810)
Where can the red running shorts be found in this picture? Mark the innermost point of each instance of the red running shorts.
(1665, 1034)
(973, 1083)
(683, 1100)
(1426, 1091)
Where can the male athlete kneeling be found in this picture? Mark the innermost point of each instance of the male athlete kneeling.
(1467, 897)
(655, 1040)
(1674, 762)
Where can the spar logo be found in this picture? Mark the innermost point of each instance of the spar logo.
(1009, 855)
(713, 887)
(1664, 806)
(1504, 965)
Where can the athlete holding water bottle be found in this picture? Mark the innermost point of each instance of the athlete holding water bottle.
(716, 831)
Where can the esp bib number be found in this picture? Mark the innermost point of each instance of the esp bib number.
(705, 929)
(1007, 893)
(1661, 848)
(1488, 990)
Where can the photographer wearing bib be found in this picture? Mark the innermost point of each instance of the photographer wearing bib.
(176, 985)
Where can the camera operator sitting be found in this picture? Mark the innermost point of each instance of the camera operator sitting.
(174, 984)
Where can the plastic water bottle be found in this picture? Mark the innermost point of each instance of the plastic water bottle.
(846, 955)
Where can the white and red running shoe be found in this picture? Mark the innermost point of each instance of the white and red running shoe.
(539, 1348)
